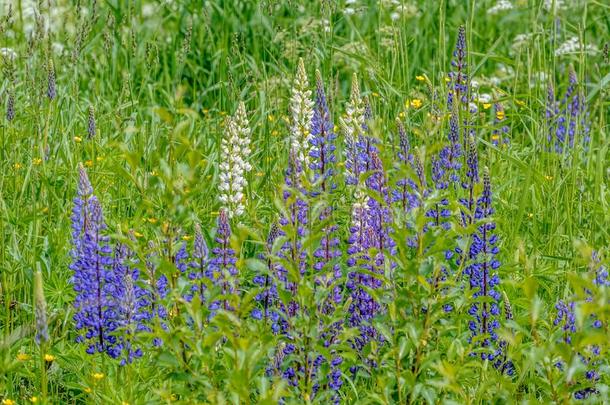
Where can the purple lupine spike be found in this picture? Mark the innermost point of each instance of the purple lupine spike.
(51, 90)
(322, 140)
(91, 130)
(199, 264)
(10, 106)
(472, 178)
(459, 76)
(405, 191)
(91, 263)
(483, 278)
(268, 296)
(222, 266)
(130, 306)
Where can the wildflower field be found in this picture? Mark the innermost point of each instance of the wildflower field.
(304, 202)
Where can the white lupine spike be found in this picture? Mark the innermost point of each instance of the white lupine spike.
(234, 165)
(353, 122)
(301, 109)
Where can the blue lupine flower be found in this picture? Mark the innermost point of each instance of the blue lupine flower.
(405, 192)
(222, 270)
(92, 275)
(483, 277)
(268, 296)
(322, 140)
(198, 266)
(130, 305)
(458, 84)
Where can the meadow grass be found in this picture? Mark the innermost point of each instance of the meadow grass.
(161, 79)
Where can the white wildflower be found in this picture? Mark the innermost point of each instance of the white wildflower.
(484, 98)
(572, 46)
(394, 16)
(554, 5)
(301, 109)
(352, 125)
(349, 11)
(234, 165)
(8, 53)
(501, 5)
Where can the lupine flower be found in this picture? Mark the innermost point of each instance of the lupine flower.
(130, 306)
(566, 318)
(405, 191)
(40, 309)
(483, 277)
(222, 266)
(10, 106)
(352, 125)
(92, 278)
(472, 177)
(459, 76)
(268, 296)
(51, 91)
(158, 288)
(301, 108)
(91, 123)
(500, 131)
(234, 165)
(199, 264)
(322, 141)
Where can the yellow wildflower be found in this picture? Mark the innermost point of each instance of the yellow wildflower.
(374, 94)
(89, 163)
(34, 400)
(500, 115)
(549, 178)
(99, 158)
(49, 357)
(487, 106)
(495, 137)
(137, 234)
(77, 139)
(520, 103)
(36, 161)
(447, 79)
(530, 215)
(420, 78)
(17, 166)
(88, 390)
(152, 220)
(23, 356)
(187, 237)
(260, 174)
(270, 118)
(97, 376)
(275, 132)
(401, 114)
(416, 103)
(7, 401)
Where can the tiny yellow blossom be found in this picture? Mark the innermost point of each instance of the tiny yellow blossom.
(275, 132)
(420, 78)
(520, 103)
(77, 139)
(137, 234)
(549, 178)
(23, 356)
(124, 403)
(260, 174)
(154, 173)
(97, 376)
(270, 118)
(36, 161)
(495, 137)
(500, 115)
(401, 114)
(530, 215)
(487, 106)
(7, 401)
(17, 166)
(374, 94)
(49, 357)
(45, 210)
(447, 79)
(214, 213)
(416, 103)
(335, 128)
(88, 390)
(89, 163)
(152, 220)
(341, 164)
(34, 400)
(99, 158)
(187, 237)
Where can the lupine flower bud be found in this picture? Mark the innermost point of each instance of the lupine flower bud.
(40, 307)
(51, 91)
(91, 123)
(10, 106)
(301, 108)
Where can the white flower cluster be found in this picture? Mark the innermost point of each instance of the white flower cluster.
(501, 5)
(554, 5)
(234, 165)
(301, 109)
(8, 53)
(572, 46)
